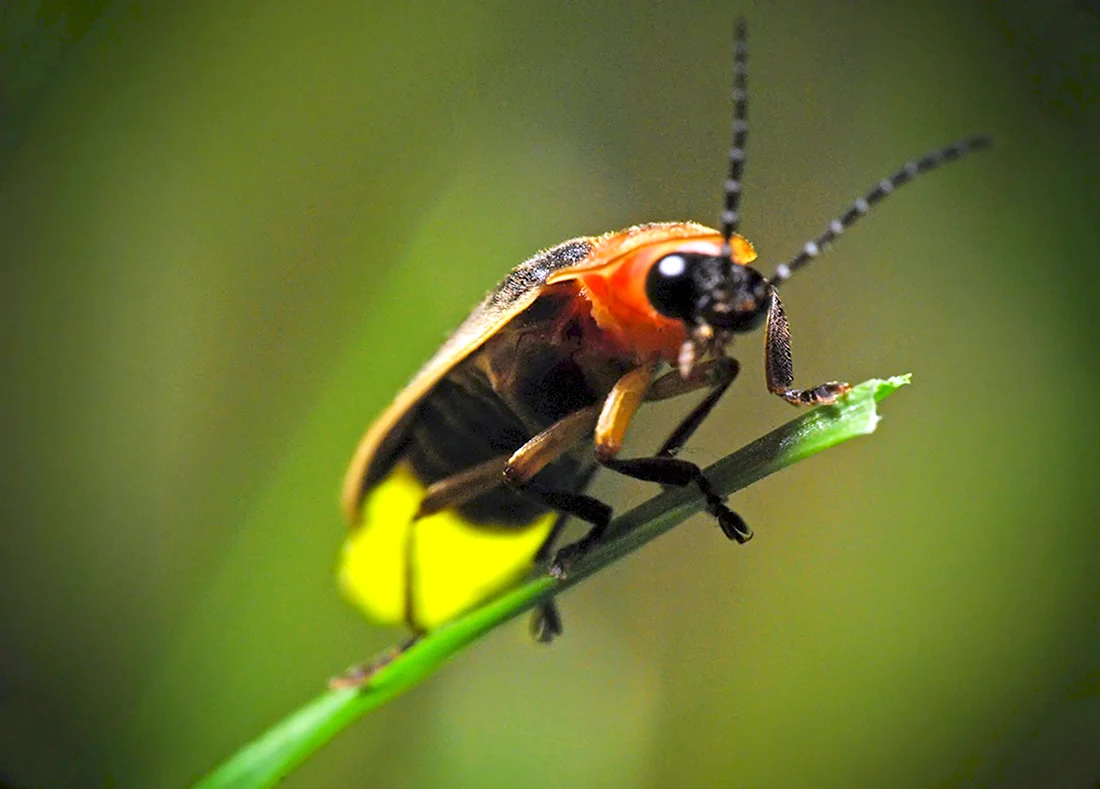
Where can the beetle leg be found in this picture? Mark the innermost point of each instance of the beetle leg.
(528, 460)
(546, 622)
(672, 384)
(623, 400)
(681, 473)
(541, 450)
(459, 488)
(586, 508)
(549, 445)
(779, 366)
(515, 469)
(721, 373)
(619, 409)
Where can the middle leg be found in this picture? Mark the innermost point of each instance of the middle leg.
(618, 410)
(664, 468)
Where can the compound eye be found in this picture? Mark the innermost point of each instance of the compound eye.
(670, 287)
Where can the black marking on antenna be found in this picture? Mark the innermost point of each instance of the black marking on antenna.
(862, 206)
(731, 189)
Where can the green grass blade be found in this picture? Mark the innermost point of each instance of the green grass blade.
(273, 755)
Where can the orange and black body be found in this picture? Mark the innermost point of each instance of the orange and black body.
(541, 353)
(462, 483)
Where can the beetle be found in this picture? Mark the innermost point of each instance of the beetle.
(463, 484)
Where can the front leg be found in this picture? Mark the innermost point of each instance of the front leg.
(779, 366)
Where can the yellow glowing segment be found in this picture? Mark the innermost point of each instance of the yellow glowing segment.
(456, 564)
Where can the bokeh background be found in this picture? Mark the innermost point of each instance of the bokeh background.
(230, 232)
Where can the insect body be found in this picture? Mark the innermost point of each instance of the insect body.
(465, 480)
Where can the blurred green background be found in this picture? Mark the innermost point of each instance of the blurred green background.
(229, 233)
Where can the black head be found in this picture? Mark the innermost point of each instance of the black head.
(708, 291)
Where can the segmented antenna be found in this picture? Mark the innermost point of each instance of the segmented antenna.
(930, 161)
(732, 187)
